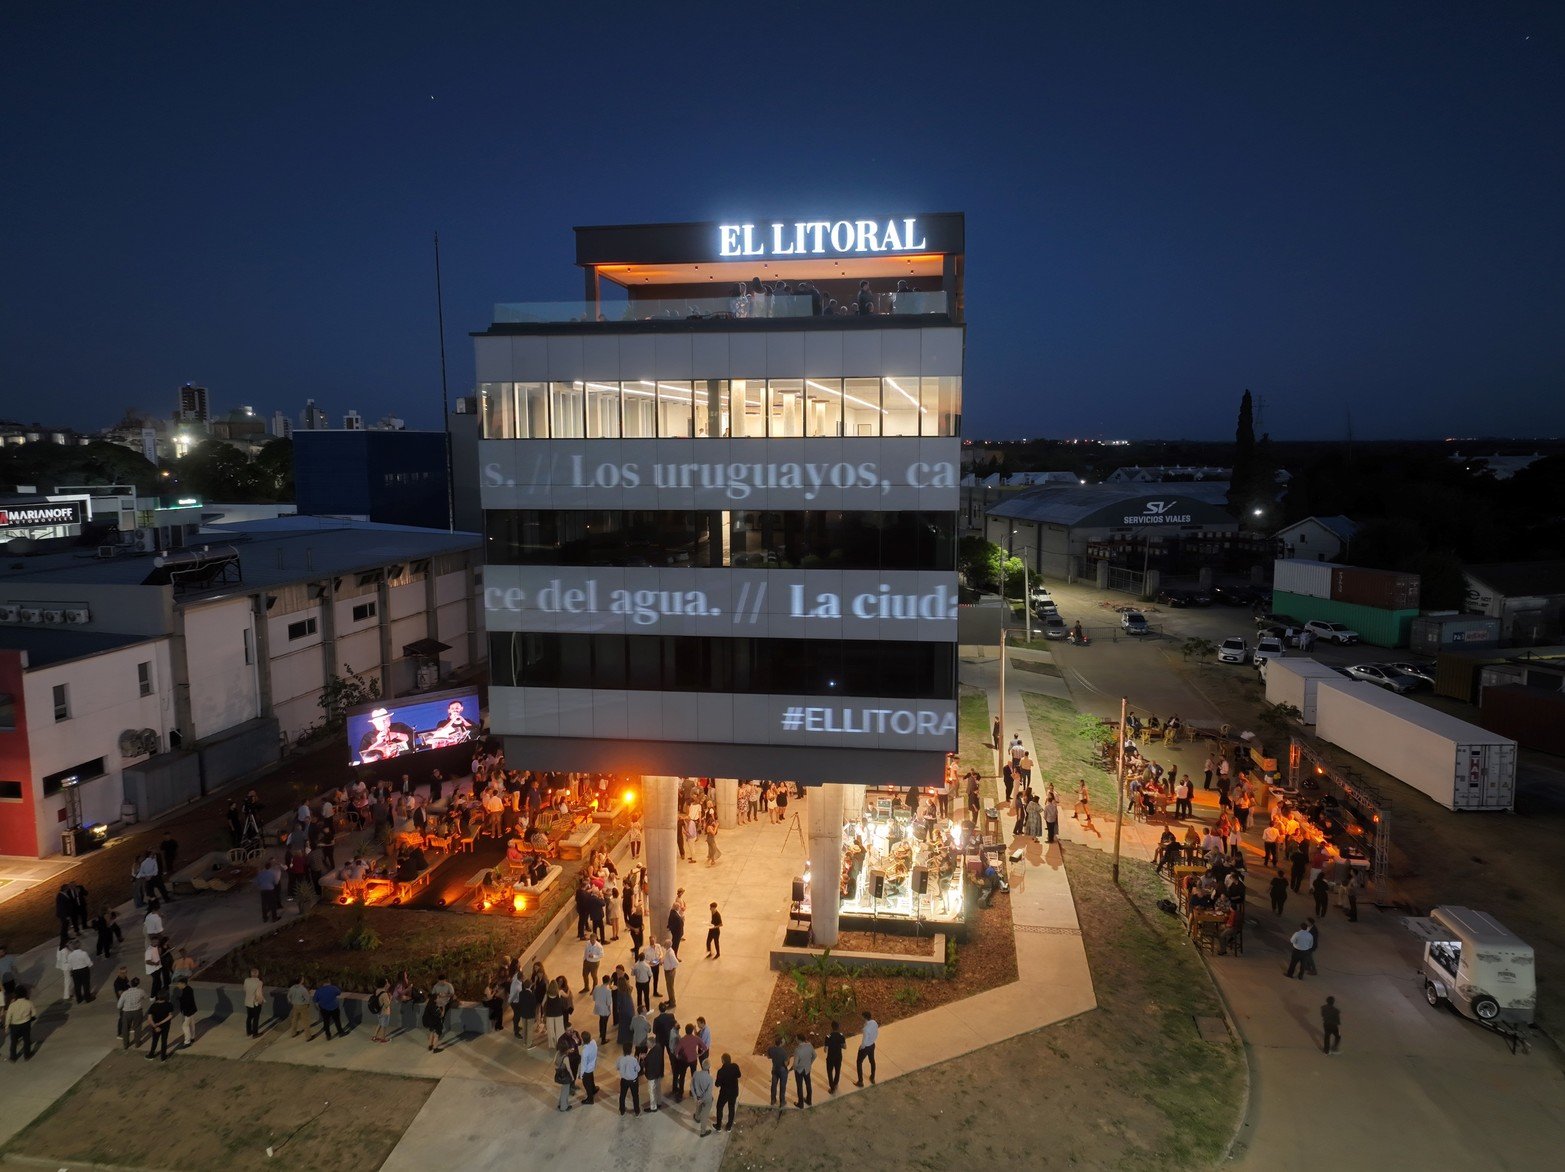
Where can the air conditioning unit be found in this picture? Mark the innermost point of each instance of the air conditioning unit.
(31, 614)
(10, 614)
(78, 614)
(54, 616)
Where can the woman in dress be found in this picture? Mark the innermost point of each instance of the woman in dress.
(434, 1022)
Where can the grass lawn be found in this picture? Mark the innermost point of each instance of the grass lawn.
(1130, 1085)
(195, 1112)
(1063, 756)
(973, 727)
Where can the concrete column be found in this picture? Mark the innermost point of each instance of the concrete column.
(852, 801)
(727, 802)
(825, 839)
(660, 824)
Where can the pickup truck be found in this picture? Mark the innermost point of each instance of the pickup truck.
(1277, 620)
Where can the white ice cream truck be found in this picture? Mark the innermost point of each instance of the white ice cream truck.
(1474, 963)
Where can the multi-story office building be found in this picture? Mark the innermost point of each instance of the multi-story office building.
(720, 502)
(194, 405)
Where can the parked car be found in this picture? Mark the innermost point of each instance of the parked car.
(1043, 608)
(1332, 632)
(1266, 647)
(1234, 595)
(1040, 593)
(1233, 650)
(1174, 598)
(1054, 627)
(1424, 673)
(1135, 623)
(1277, 620)
(1383, 674)
(1288, 635)
(1200, 598)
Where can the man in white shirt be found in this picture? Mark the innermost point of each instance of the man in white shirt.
(629, 1068)
(152, 925)
(132, 1005)
(867, 1042)
(1298, 957)
(670, 967)
(590, 956)
(81, 973)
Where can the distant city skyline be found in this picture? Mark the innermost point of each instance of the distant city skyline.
(1352, 211)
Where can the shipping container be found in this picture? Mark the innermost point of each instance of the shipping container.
(1530, 716)
(1432, 634)
(1456, 672)
(1297, 576)
(1383, 589)
(1459, 765)
(1293, 681)
(1381, 628)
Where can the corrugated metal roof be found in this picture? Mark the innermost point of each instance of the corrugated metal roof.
(1521, 579)
(51, 645)
(1069, 504)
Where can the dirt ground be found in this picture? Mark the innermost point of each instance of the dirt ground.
(1130, 1085)
(213, 1113)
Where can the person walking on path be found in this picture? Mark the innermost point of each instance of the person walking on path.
(160, 1016)
(803, 1063)
(1331, 1025)
(714, 933)
(132, 1006)
(433, 1022)
(255, 997)
(701, 1091)
(1051, 816)
(709, 828)
(1299, 952)
(654, 1064)
(1299, 860)
(727, 1080)
(777, 1094)
(1269, 839)
(1209, 767)
(81, 974)
(835, 1044)
(867, 1042)
(589, 1067)
(994, 733)
(19, 1016)
(1313, 929)
(298, 1008)
(1279, 892)
(1083, 810)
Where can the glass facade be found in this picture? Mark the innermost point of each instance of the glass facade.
(719, 538)
(673, 663)
(780, 408)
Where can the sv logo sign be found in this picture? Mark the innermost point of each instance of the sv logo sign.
(1158, 508)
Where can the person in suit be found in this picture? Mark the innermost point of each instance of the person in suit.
(1331, 1025)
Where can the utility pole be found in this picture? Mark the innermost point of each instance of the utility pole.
(445, 399)
(1026, 595)
(999, 740)
(1119, 789)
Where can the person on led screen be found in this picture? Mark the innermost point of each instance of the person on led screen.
(388, 738)
(454, 729)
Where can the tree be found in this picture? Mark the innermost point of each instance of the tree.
(1241, 482)
(979, 561)
(344, 692)
(1198, 648)
(274, 468)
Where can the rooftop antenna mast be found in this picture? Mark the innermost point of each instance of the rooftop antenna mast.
(445, 400)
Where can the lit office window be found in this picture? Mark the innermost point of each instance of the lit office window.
(900, 400)
(675, 409)
(786, 407)
(708, 400)
(746, 407)
(567, 403)
(638, 402)
(943, 401)
(861, 413)
(499, 409)
(823, 407)
(602, 410)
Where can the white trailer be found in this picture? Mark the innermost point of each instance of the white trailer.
(1459, 765)
(1293, 681)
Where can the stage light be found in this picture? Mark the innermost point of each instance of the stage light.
(440, 902)
(629, 797)
(519, 903)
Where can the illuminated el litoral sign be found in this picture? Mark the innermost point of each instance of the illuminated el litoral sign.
(821, 238)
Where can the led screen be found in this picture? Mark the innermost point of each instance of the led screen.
(396, 728)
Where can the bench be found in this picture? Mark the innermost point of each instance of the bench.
(537, 889)
(574, 845)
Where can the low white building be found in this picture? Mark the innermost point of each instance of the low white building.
(1322, 539)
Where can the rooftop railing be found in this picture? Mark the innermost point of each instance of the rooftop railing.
(735, 308)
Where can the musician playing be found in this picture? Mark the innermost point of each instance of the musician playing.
(386, 739)
(454, 729)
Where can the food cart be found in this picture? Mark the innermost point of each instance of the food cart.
(1475, 964)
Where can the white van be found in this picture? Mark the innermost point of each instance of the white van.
(1474, 963)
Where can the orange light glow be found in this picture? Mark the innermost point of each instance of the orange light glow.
(518, 903)
(629, 797)
(487, 904)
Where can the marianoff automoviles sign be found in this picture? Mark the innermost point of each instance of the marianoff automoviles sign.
(33, 516)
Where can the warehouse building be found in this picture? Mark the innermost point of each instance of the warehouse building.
(1527, 597)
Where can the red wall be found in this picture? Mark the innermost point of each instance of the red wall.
(18, 833)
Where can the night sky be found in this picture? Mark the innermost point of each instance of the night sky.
(1348, 208)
